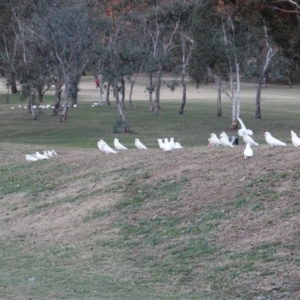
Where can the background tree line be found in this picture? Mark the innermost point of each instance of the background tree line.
(51, 43)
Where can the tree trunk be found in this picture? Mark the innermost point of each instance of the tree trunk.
(66, 96)
(40, 96)
(31, 101)
(219, 103)
(13, 83)
(107, 94)
(157, 90)
(120, 108)
(151, 91)
(257, 102)
(100, 89)
(123, 92)
(183, 101)
(132, 82)
(58, 84)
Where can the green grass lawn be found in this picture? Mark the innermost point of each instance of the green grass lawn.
(143, 234)
(86, 125)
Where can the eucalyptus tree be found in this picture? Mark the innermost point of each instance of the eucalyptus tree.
(209, 57)
(283, 23)
(160, 27)
(8, 44)
(110, 51)
(63, 30)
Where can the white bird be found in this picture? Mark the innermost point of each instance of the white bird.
(100, 145)
(172, 143)
(248, 152)
(295, 139)
(40, 156)
(243, 129)
(214, 140)
(272, 141)
(167, 145)
(177, 145)
(13, 107)
(224, 140)
(107, 149)
(30, 157)
(53, 152)
(140, 145)
(160, 143)
(118, 145)
(46, 154)
(49, 153)
(249, 139)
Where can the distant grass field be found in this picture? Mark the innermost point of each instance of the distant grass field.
(86, 125)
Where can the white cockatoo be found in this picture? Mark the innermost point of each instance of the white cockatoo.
(295, 139)
(160, 143)
(45, 153)
(40, 156)
(249, 139)
(107, 149)
(118, 145)
(30, 157)
(272, 141)
(214, 140)
(167, 145)
(178, 146)
(172, 143)
(248, 152)
(100, 145)
(224, 140)
(140, 145)
(243, 129)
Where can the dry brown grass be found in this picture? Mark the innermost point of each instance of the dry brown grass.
(87, 181)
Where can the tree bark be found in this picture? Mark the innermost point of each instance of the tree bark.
(107, 93)
(257, 102)
(123, 92)
(100, 89)
(66, 96)
(13, 84)
(58, 84)
(157, 90)
(151, 91)
(183, 101)
(120, 108)
(219, 103)
(31, 101)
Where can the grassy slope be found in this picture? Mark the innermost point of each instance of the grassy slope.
(200, 223)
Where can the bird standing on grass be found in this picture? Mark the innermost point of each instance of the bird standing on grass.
(248, 152)
(140, 145)
(295, 139)
(243, 129)
(249, 139)
(160, 143)
(40, 156)
(118, 145)
(167, 145)
(214, 140)
(225, 140)
(272, 141)
(107, 149)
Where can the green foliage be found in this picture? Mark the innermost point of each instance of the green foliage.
(117, 125)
